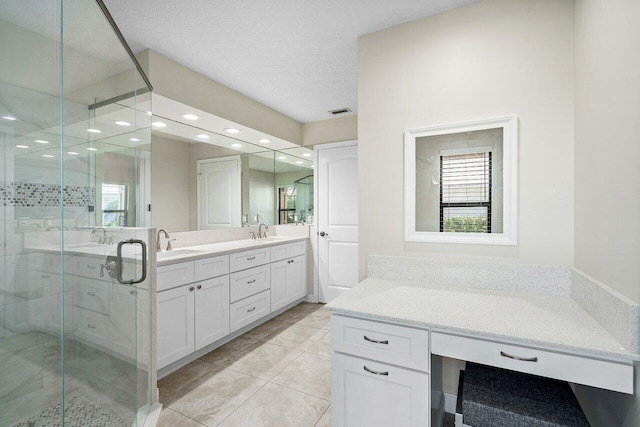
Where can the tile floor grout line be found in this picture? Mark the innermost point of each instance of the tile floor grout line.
(243, 402)
(299, 391)
(325, 411)
(184, 415)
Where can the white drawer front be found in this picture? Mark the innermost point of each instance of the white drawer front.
(91, 326)
(572, 368)
(92, 295)
(209, 268)
(289, 250)
(280, 252)
(249, 282)
(297, 248)
(247, 259)
(399, 345)
(88, 267)
(249, 310)
(170, 276)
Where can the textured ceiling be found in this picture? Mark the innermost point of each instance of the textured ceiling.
(298, 57)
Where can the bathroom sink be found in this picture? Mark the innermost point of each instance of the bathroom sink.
(272, 239)
(177, 252)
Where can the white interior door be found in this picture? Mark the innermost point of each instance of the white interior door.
(219, 194)
(337, 214)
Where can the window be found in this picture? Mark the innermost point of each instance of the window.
(286, 205)
(114, 205)
(465, 192)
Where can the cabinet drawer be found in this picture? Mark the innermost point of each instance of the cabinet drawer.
(249, 282)
(209, 268)
(170, 276)
(365, 393)
(399, 345)
(92, 295)
(248, 259)
(289, 250)
(87, 267)
(610, 375)
(91, 326)
(249, 310)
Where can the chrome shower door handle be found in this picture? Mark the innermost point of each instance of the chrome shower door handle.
(119, 261)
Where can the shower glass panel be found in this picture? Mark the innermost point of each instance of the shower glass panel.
(76, 302)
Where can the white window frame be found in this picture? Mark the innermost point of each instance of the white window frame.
(509, 236)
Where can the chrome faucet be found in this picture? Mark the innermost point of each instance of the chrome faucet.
(166, 235)
(262, 234)
(101, 240)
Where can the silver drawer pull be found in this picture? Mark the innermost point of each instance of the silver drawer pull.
(91, 294)
(251, 259)
(251, 281)
(90, 326)
(44, 276)
(250, 310)
(91, 267)
(375, 372)
(375, 341)
(522, 359)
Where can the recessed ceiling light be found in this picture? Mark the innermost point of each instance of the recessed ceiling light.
(202, 136)
(92, 149)
(122, 123)
(73, 153)
(10, 118)
(264, 140)
(22, 146)
(92, 130)
(236, 145)
(232, 130)
(149, 113)
(311, 165)
(134, 139)
(281, 157)
(48, 156)
(41, 141)
(189, 116)
(159, 124)
(299, 162)
(307, 154)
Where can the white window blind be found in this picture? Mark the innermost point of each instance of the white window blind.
(465, 192)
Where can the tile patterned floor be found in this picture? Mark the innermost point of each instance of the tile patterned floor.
(275, 375)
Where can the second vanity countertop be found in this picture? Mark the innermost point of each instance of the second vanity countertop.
(191, 253)
(539, 320)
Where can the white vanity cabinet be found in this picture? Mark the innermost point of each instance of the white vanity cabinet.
(289, 275)
(194, 315)
(391, 386)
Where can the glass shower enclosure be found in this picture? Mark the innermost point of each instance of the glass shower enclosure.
(77, 293)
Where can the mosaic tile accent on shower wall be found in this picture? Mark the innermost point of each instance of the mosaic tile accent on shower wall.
(21, 194)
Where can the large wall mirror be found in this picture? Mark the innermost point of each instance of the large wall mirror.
(203, 179)
(460, 182)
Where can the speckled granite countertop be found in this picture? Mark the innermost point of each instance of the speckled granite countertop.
(548, 321)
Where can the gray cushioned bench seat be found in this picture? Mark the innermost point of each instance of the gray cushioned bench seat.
(494, 397)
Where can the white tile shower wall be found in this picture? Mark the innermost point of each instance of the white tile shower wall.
(472, 274)
(616, 313)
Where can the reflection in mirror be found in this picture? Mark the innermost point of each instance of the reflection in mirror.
(193, 167)
(460, 182)
(294, 186)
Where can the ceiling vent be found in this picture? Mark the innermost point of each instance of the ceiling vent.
(340, 111)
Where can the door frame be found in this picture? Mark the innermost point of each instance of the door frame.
(315, 239)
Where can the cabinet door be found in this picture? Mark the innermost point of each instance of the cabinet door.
(175, 324)
(212, 310)
(279, 278)
(297, 282)
(122, 319)
(371, 394)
